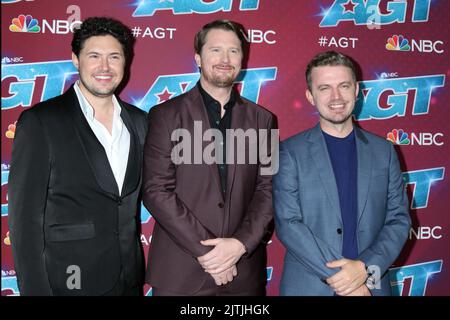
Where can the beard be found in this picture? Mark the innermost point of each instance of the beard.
(221, 80)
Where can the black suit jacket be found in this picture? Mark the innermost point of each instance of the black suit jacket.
(64, 204)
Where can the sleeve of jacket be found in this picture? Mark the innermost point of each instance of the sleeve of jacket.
(296, 236)
(259, 215)
(27, 194)
(159, 181)
(391, 238)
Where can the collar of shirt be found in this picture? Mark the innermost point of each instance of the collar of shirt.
(212, 103)
(116, 144)
(350, 137)
(88, 110)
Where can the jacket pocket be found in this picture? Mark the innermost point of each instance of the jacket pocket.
(70, 232)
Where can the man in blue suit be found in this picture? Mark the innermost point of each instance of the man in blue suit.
(341, 208)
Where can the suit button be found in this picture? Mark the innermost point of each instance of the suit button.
(339, 230)
(221, 205)
(119, 201)
(116, 232)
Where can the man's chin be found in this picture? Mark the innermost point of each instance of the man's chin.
(104, 93)
(224, 83)
(338, 120)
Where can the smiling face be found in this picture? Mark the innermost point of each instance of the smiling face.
(220, 59)
(101, 65)
(333, 92)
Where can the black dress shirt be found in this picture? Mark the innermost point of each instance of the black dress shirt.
(213, 109)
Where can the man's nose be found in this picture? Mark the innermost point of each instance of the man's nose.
(104, 63)
(225, 57)
(336, 94)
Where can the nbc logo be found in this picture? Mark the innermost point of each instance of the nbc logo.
(398, 137)
(24, 24)
(398, 43)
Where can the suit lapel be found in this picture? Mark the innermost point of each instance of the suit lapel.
(321, 159)
(238, 116)
(133, 172)
(364, 168)
(198, 112)
(95, 153)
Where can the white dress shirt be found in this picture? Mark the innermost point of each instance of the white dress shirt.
(116, 144)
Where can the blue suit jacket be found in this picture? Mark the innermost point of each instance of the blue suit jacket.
(308, 215)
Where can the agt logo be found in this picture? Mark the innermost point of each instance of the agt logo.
(400, 43)
(149, 7)
(386, 98)
(419, 275)
(368, 12)
(422, 181)
(400, 137)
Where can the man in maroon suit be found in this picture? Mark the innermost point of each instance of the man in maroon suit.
(212, 218)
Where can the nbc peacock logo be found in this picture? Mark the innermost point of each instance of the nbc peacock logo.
(398, 136)
(24, 23)
(398, 43)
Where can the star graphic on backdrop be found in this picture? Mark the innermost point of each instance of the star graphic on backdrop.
(349, 6)
(184, 85)
(164, 95)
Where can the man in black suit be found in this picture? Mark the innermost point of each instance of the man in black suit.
(75, 178)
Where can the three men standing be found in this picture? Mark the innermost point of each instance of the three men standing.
(341, 208)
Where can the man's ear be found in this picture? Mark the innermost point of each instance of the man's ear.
(310, 97)
(75, 60)
(198, 60)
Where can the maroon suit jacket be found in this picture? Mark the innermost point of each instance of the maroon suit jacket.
(188, 205)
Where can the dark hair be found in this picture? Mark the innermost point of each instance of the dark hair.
(102, 26)
(227, 25)
(329, 58)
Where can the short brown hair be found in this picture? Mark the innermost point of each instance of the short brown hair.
(227, 25)
(329, 58)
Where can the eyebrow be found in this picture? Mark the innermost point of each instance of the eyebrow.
(111, 53)
(340, 83)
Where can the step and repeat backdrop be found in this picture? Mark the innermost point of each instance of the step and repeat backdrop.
(401, 47)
